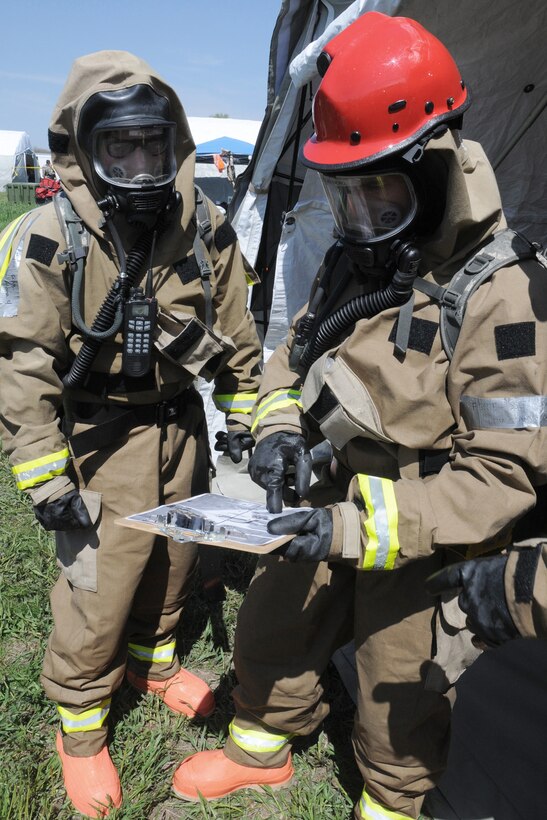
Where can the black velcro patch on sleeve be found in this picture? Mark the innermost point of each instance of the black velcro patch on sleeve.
(41, 249)
(325, 403)
(515, 340)
(187, 269)
(58, 143)
(224, 236)
(525, 572)
(184, 340)
(422, 335)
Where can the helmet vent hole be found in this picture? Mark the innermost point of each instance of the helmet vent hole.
(429, 106)
(396, 106)
(450, 102)
(528, 88)
(395, 127)
(355, 137)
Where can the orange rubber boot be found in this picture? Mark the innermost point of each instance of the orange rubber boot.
(92, 783)
(213, 775)
(183, 693)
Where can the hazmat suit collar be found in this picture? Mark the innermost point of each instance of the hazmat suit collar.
(111, 71)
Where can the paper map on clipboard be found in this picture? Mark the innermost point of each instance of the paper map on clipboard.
(231, 522)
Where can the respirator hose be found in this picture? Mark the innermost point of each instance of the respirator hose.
(396, 293)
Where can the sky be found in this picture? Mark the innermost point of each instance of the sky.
(213, 53)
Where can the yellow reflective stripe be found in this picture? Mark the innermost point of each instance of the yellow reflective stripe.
(84, 721)
(371, 810)
(154, 654)
(276, 401)
(8, 236)
(252, 741)
(381, 523)
(40, 469)
(249, 280)
(235, 402)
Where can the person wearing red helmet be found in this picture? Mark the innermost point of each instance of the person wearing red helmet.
(437, 447)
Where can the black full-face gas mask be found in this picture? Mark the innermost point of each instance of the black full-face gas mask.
(130, 140)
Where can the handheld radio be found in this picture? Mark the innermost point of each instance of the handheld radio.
(139, 324)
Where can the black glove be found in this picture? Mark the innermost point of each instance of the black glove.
(482, 596)
(234, 443)
(313, 538)
(273, 460)
(65, 513)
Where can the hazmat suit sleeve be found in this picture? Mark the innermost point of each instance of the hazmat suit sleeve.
(237, 383)
(34, 325)
(497, 386)
(279, 406)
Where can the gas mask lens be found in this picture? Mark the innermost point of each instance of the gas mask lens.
(371, 207)
(135, 157)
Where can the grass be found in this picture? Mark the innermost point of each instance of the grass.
(147, 741)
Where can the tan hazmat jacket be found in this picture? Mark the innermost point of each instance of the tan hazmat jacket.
(38, 340)
(487, 409)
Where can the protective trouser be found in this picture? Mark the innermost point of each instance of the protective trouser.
(121, 591)
(294, 617)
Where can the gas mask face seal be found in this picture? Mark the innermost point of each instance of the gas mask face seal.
(135, 158)
(370, 208)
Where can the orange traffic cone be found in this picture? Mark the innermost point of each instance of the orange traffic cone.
(213, 775)
(92, 783)
(183, 693)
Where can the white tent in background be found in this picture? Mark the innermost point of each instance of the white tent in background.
(282, 219)
(211, 135)
(16, 156)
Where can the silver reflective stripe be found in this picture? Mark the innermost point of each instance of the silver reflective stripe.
(85, 721)
(381, 521)
(512, 412)
(252, 741)
(155, 654)
(9, 270)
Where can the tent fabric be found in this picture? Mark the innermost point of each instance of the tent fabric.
(210, 128)
(14, 147)
(215, 146)
(500, 52)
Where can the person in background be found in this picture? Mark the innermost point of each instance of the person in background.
(436, 452)
(48, 170)
(115, 297)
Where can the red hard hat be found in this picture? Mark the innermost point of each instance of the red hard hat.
(387, 83)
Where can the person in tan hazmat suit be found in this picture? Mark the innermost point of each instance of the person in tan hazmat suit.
(99, 415)
(433, 460)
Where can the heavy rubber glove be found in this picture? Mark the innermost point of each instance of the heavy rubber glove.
(65, 513)
(313, 538)
(234, 443)
(274, 459)
(482, 596)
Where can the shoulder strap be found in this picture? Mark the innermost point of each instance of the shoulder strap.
(74, 231)
(204, 237)
(505, 248)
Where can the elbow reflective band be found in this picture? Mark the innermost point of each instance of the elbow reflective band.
(84, 721)
(513, 412)
(40, 469)
(371, 810)
(276, 401)
(153, 654)
(236, 402)
(6, 245)
(381, 523)
(252, 741)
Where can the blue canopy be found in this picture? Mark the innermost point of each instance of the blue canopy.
(227, 143)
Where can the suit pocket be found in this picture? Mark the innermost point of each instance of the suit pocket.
(77, 549)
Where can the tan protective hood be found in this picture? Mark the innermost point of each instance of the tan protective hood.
(111, 71)
(473, 211)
